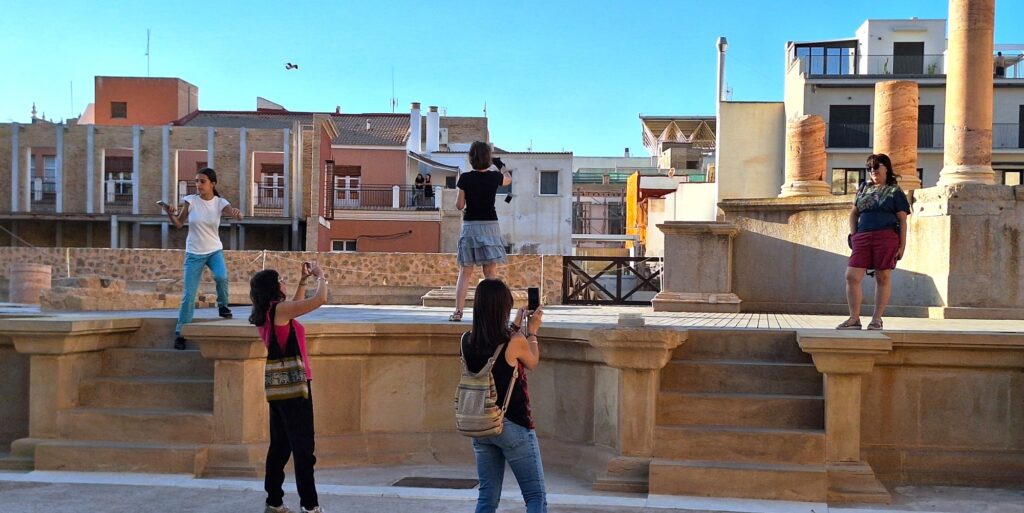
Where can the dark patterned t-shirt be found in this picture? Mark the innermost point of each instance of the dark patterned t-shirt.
(878, 205)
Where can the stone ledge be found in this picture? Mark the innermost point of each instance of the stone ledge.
(698, 228)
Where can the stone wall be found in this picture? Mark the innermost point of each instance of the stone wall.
(947, 409)
(350, 273)
(14, 373)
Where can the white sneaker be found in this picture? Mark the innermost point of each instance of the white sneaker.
(314, 510)
(279, 509)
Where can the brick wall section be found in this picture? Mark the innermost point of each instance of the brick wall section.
(76, 159)
(5, 167)
(344, 269)
(108, 138)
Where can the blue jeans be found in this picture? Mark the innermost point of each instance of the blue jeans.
(518, 446)
(193, 273)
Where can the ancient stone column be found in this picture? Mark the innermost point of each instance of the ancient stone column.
(805, 158)
(967, 143)
(896, 103)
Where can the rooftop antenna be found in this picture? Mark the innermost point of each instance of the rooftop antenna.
(485, 108)
(72, 83)
(394, 101)
(147, 52)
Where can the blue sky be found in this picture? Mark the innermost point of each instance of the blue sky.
(564, 75)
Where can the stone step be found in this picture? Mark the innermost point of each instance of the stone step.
(720, 443)
(741, 376)
(741, 410)
(136, 425)
(130, 362)
(740, 480)
(147, 393)
(99, 456)
(759, 345)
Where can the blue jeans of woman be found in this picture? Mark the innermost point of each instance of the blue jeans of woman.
(193, 273)
(518, 446)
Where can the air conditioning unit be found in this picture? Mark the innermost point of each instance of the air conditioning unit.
(443, 136)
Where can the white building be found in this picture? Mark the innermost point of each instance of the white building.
(835, 79)
(538, 220)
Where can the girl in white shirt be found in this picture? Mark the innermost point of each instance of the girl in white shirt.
(203, 247)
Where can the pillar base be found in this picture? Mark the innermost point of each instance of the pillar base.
(956, 174)
(855, 482)
(802, 188)
(909, 183)
(722, 302)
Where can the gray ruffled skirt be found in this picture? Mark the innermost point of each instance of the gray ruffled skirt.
(480, 243)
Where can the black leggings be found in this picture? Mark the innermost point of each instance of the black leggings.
(291, 433)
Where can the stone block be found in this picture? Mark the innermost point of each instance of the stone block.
(972, 410)
(337, 394)
(393, 398)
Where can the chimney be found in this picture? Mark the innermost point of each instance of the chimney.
(433, 130)
(367, 124)
(415, 122)
(626, 153)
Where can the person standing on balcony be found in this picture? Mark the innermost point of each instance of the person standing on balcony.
(480, 243)
(417, 195)
(203, 247)
(878, 238)
(428, 191)
(1000, 65)
(517, 444)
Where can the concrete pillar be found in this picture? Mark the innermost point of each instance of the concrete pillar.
(805, 158)
(136, 235)
(211, 153)
(114, 232)
(165, 166)
(15, 171)
(241, 237)
(164, 235)
(896, 105)
(59, 165)
(136, 166)
(415, 142)
(967, 138)
(90, 169)
(287, 161)
(244, 203)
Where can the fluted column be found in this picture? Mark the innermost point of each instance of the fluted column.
(896, 109)
(805, 158)
(967, 146)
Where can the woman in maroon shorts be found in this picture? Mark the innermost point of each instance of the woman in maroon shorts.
(878, 237)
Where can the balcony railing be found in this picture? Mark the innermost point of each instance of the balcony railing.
(384, 197)
(117, 196)
(268, 200)
(44, 194)
(1005, 136)
(846, 65)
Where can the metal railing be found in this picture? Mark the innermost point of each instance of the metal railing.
(1005, 136)
(268, 200)
(117, 196)
(617, 280)
(44, 194)
(385, 197)
(847, 65)
(848, 135)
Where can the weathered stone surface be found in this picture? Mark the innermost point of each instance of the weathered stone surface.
(896, 106)
(805, 157)
(967, 141)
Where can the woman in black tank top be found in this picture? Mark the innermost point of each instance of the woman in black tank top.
(517, 444)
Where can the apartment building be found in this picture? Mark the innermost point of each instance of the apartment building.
(318, 181)
(835, 79)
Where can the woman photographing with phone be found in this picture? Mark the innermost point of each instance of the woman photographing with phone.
(480, 242)
(517, 443)
(291, 418)
(203, 247)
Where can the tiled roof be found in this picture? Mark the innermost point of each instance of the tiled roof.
(384, 129)
(246, 119)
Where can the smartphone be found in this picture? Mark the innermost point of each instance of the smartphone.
(497, 162)
(307, 268)
(162, 204)
(532, 299)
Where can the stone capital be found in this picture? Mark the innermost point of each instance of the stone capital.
(51, 336)
(843, 352)
(636, 348)
(226, 342)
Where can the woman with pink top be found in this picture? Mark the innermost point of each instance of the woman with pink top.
(291, 420)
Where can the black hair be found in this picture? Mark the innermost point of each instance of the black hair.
(492, 303)
(212, 175)
(480, 155)
(881, 159)
(264, 288)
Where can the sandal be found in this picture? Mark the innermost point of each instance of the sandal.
(849, 324)
(455, 317)
(875, 324)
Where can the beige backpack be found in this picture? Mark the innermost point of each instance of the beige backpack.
(476, 410)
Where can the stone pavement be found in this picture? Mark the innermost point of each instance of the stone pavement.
(569, 315)
(367, 490)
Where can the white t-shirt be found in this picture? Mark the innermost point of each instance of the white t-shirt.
(204, 224)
